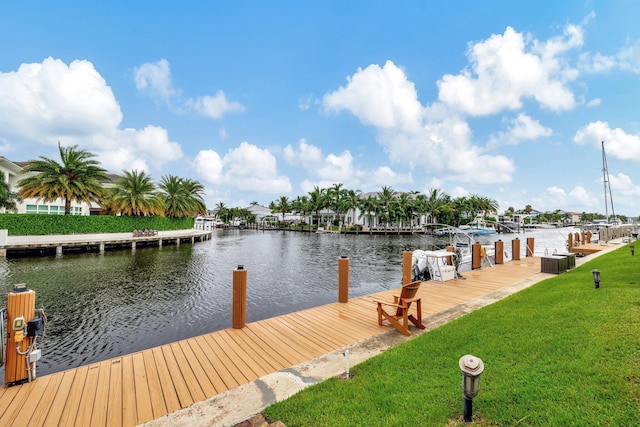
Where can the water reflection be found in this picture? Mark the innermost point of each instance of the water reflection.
(102, 306)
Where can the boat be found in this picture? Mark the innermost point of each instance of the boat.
(446, 264)
(478, 227)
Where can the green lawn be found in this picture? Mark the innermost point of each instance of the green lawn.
(560, 353)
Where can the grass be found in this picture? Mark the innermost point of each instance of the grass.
(559, 353)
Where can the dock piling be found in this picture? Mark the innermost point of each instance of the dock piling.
(407, 260)
(239, 311)
(343, 279)
(21, 306)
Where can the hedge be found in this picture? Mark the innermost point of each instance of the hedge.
(40, 224)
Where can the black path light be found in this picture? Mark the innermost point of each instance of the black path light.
(633, 249)
(471, 368)
(596, 277)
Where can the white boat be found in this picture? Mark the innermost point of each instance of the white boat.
(478, 227)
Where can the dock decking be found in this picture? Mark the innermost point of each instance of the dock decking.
(139, 387)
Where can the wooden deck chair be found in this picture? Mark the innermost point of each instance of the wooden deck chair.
(401, 304)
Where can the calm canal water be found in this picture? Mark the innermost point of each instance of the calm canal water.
(103, 306)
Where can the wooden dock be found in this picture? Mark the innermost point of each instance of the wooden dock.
(139, 387)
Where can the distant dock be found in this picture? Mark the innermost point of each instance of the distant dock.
(58, 244)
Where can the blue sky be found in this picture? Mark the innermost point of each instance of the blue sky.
(257, 100)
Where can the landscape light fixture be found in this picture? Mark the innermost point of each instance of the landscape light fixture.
(471, 368)
(633, 250)
(596, 277)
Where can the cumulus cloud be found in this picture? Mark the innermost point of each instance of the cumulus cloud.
(522, 128)
(214, 106)
(154, 78)
(43, 103)
(618, 143)
(435, 138)
(626, 59)
(510, 67)
(246, 168)
(379, 96)
(333, 168)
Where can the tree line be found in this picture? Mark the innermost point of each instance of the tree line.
(78, 177)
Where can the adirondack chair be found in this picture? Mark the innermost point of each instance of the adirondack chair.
(400, 306)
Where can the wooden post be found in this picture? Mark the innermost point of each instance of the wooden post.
(239, 312)
(20, 304)
(570, 241)
(499, 248)
(577, 239)
(476, 256)
(407, 260)
(343, 279)
(450, 259)
(588, 236)
(515, 249)
(530, 243)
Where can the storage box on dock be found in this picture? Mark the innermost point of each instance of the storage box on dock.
(554, 264)
(571, 259)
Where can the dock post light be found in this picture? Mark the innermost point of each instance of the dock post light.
(471, 368)
(596, 278)
(633, 250)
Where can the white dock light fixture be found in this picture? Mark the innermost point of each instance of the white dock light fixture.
(471, 368)
(596, 278)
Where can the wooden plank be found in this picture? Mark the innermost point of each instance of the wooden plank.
(242, 339)
(114, 406)
(23, 415)
(70, 411)
(85, 406)
(143, 398)
(99, 411)
(207, 366)
(245, 355)
(54, 414)
(168, 389)
(234, 362)
(221, 368)
(187, 373)
(129, 410)
(46, 399)
(202, 378)
(158, 406)
(184, 395)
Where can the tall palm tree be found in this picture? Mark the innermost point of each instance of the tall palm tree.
(8, 198)
(335, 195)
(135, 195)
(300, 205)
(283, 205)
(182, 197)
(317, 202)
(385, 197)
(369, 207)
(77, 179)
(352, 200)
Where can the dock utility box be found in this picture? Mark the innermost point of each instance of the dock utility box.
(554, 264)
(571, 259)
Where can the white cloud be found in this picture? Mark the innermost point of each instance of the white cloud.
(155, 79)
(507, 68)
(617, 142)
(522, 128)
(626, 59)
(245, 168)
(594, 102)
(382, 97)
(214, 106)
(43, 103)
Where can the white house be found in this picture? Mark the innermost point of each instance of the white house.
(13, 172)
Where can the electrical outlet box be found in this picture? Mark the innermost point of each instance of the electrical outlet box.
(34, 356)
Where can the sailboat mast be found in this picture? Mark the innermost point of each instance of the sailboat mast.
(607, 186)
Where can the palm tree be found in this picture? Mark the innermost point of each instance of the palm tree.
(317, 202)
(77, 179)
(182, 197)
(352, 200)
(335, 195)
(8, 198)
(135, 195)
(300, 205)
(369, 207)
(435, 204)
(386, 195)
(283, 205)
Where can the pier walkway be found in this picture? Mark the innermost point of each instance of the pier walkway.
(98, 242)
(213, 374)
